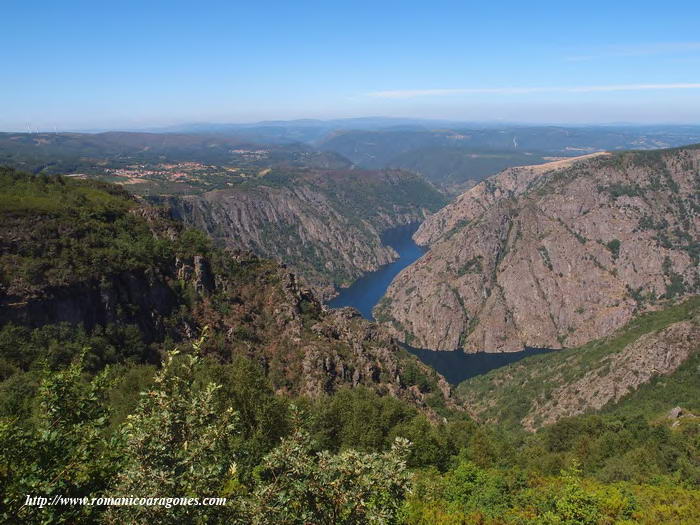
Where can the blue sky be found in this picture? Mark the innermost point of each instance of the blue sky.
(88, 65)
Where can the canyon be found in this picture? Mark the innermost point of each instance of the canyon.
(326, 226)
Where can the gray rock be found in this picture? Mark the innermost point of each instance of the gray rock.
(675, 413)
(554, 255)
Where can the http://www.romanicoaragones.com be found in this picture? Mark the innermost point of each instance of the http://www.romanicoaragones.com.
(58, 500)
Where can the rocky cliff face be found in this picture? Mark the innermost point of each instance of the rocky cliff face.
(553, 255)
(265, 314)
(102, 260)
(99, 302)
(325, 226)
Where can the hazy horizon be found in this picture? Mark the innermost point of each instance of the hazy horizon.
(186, 127)
(81, 66)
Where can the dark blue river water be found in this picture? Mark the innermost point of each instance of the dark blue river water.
(456, 366)
(366, 292)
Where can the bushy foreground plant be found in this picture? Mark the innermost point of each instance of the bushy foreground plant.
(471, 494)
(64, 452)
(179, 442)
(298, 485)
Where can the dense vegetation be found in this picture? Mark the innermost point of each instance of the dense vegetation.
(59, 231)
(209, 429)
(103, 410)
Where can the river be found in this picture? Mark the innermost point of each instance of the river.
(366, 292)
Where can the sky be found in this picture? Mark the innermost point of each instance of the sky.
(74, 65)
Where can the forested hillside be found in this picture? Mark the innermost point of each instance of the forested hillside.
(138, 360)
(455, 170)
(456, 156)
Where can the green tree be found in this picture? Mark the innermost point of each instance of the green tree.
(63, 452)
(572, 505)
(178, 444)
(262, 416)
(299, 486)
(428, 445)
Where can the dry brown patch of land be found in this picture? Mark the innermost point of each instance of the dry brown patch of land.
(564, 162)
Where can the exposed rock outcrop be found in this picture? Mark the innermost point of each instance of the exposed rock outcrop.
(658, 350)
(325, 226)
(272, 318)
(553, 255)
(619, 374)
(140, 298)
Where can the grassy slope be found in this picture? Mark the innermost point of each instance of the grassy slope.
(505, 395)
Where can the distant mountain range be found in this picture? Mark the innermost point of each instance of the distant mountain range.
(452, 155)
(312, 130)
(60, 153)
